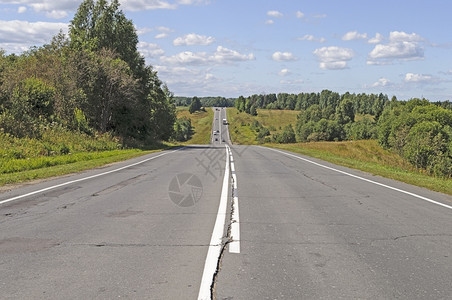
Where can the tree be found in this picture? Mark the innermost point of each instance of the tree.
(195, 105)
(97, 25)
(129, 97)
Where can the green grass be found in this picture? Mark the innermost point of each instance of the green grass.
(240, 123)
(59, 165)
(202, 124)
(367, 155)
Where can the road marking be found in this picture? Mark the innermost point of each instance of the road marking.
(364, 179)
(85, 178)
(234, 245)
(216, 241)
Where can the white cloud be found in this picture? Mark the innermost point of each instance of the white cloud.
(138, 5)
(22, 9)
(193, 39)
(333, 58)
(398, 36)
(299, 15)
(52, 9)
(150, 50)
(419, 78)
(382, 82)
(354, 35)
(17, 36)
(61, 8)
(164, 29)
(283, 56)
(193, 2)
(274, 14)
(269, 22)
(284, 72)
(161, 35)
(311, 38)
(401, 46)
(221, 56)
(377, 39)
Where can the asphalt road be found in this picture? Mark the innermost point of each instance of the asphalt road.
(144, 229)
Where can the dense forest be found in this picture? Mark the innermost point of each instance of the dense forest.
(93, 81)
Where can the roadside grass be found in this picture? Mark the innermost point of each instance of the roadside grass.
(45, 167)
(202, 125)
(368, 156)
(58, 152)
(364, 155)
(240, 123)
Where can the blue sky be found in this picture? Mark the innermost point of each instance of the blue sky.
(231, 48)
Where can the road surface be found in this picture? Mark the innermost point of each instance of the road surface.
(162, 227)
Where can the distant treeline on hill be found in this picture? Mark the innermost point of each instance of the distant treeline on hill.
(206, 101)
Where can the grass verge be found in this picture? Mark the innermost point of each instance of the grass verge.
(369, 157)
(202, 125)
(240, 123)
(85, 161)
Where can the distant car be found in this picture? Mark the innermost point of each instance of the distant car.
(216, 139)
(216, 132)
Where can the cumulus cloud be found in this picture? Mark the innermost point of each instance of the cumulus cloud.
(420, 78)
(17, 36)
(284, 72)
(150, 50)
(221, 56)
(354, 35)
(283, 56)
(22, 9)
(377, 39)
(333, 58)
(193, 39)
(401, 46)
(311, 38)
(269, 22)
(382, 82)
(274, 14)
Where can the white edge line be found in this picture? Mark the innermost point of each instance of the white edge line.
(364, 179)
(85, 178)
(215, 246)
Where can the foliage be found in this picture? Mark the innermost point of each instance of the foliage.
(206, 101)
(183, 130)
(285, 137)
(93, 81)
(195, 105)
(421, 132)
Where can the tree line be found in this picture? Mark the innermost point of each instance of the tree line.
(93, 80)
(205, 101)
(419, 130)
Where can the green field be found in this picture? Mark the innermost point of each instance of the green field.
(201, 122)
(240, 123)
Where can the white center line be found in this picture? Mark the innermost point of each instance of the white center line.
(216, 241)
(234, 245)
